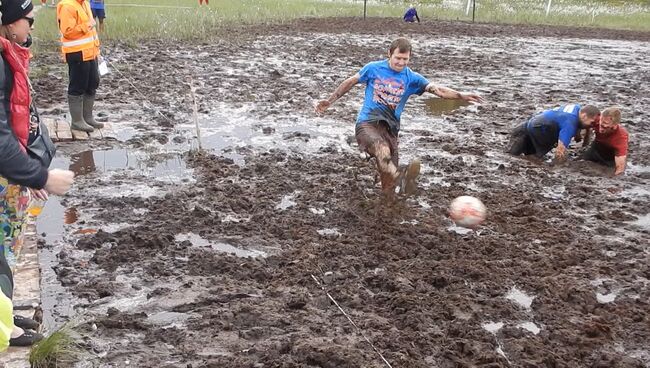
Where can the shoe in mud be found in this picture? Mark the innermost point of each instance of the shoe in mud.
(28, 338)
(407, 179)
(25, 323)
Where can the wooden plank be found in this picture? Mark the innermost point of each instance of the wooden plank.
(79, 135)
(63, 132)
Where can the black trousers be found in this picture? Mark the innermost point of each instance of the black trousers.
(601, 154)
(84, 75)
(535, 137)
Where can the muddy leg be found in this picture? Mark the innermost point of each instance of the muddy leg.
(387, 169)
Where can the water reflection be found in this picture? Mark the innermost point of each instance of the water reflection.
(442, 106)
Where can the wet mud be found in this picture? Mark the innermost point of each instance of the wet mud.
(226, 257)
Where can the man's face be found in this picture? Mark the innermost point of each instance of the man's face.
(585, 121)
(399, 60)
(606, 125)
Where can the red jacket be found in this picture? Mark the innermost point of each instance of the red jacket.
(15, 164)
(18, 59)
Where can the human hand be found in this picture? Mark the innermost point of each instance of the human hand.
(471, 97)
(59, 181)
(40, 194)
(322, 105)
(560, 153)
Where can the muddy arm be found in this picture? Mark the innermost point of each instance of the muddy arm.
(620, 162)
(446, 92)
(341, 90)
(344, 88)
(587, 138)
(560, 152)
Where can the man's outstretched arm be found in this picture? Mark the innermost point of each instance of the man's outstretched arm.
(620, 162)
(341, 90)
(446, 92)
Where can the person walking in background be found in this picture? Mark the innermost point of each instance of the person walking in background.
(80, 47)
(21, 176)
(411, 15)
(99, 12)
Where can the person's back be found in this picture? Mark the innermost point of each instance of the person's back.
(411, 15)
(566, 120)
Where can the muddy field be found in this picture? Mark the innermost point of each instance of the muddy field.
(170, 258)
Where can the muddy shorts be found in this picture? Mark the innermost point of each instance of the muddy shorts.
(536, 136)
(99, 13)
(369, 133)
(600, 153)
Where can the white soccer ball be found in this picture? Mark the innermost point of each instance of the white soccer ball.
(467, 211)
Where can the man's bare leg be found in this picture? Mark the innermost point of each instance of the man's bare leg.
(387, 170)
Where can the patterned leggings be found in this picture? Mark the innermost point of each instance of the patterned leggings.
(14, 201)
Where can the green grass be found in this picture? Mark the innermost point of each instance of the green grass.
(57, 350)
(185, 20)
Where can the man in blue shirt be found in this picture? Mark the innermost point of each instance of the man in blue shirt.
(97, 7)
(389, 83)
(411, 15)
(544, 131)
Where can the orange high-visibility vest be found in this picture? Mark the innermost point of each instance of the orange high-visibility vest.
(76, 25)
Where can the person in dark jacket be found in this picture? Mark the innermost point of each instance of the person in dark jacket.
(21, 176)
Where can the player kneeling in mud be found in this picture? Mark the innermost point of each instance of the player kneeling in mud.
(610, 145)
(389, 83)
(544, 131)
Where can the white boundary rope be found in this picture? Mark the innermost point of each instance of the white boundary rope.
(144, 97)
(352, 322)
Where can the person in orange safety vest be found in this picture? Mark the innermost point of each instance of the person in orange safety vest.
(80, 48)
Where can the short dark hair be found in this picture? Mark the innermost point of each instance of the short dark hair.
(401, 44)
(590, 110)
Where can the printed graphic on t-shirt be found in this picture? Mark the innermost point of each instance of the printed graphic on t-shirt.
(388, 91)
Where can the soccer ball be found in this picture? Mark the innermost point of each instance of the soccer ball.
(467, 211)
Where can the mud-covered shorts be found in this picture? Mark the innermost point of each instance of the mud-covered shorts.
(536, 136)
(369, 133)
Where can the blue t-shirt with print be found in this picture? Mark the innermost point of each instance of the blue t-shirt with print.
(96, 4)
(567, 120)
(387, 92)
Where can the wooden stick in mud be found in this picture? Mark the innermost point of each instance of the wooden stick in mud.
(351, 321)
(195, 113)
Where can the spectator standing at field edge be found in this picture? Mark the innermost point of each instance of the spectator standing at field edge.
(80, 48)
(21, 176)
(99, 12)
